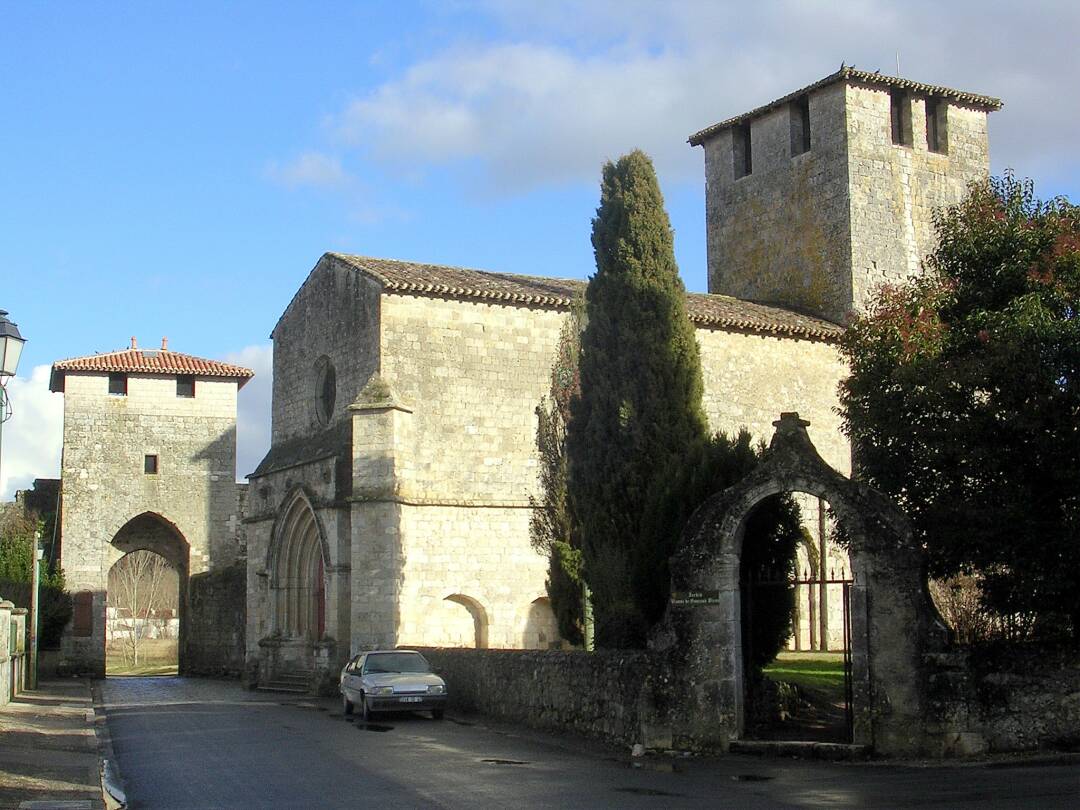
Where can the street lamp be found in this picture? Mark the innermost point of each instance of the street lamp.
(11, 345)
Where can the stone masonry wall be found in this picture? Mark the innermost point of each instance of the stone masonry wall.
(609, 695)
(335, 314)
(216, 622)
(781, 234)
(1005, 697)
(895, 189)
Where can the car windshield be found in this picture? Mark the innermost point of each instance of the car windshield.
(396, 662)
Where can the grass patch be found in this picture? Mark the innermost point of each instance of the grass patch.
(156, 657)
(822, 673)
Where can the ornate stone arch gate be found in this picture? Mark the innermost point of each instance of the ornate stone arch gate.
(893, 621)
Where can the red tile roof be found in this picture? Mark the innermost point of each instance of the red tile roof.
(148, 361)
(719, 311)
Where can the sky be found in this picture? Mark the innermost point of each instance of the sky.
(176, 169)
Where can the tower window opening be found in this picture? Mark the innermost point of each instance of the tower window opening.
(900, 118)
(800, 125)
(937, 139)
(150, 464)
(743, 158)
(185, 386)
(118, 385)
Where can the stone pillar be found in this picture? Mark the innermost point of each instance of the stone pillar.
(5, 655)
(382, 442)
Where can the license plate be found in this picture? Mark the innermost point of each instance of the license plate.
(410, 699)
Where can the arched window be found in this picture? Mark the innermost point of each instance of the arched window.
(300, 598)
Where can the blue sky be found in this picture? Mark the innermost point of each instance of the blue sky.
(178, 168)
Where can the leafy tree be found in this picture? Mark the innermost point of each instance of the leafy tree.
(551, 527)
(641, 387)
(17, 537)
(963, 402)
(773, 533)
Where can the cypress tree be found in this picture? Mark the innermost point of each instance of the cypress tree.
(641, 387)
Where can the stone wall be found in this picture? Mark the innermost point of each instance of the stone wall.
(1008, 697)
(781, 233)
(608, 695)
(334, 315)
(895, 189)
(215, 643)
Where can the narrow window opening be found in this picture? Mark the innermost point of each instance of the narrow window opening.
(150, 465)
(185, 386)
(900, 118)
(744, 162)
(118, 385)
(800, 126)
(937, 139)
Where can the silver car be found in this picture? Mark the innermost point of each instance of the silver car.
(391, 680)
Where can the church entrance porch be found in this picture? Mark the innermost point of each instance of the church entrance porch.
(298, 650)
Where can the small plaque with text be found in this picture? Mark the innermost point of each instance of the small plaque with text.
(695, 598)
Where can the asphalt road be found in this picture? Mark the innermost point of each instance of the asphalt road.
(183, 742)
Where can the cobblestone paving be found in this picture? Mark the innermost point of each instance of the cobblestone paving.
(211, 744)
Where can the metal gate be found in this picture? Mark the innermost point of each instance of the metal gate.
(813, 582)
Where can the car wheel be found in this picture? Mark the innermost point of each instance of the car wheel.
(346, 704)
(436, 714)
(365, 710)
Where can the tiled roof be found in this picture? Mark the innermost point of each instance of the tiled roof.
(850, 74)
(719, 311)
(148, 361)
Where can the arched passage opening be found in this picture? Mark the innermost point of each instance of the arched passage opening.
(541, 626)
(795, 597)
(146, 596)
(298, 585)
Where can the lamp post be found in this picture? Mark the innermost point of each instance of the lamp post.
(11, 345)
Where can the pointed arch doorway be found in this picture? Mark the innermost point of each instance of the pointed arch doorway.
(297, 589)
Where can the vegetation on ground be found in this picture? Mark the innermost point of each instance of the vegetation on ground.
(964, 398)
(819, 673)
(18, 536)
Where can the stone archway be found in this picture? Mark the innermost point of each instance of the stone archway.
(151, 532)
(893, 620)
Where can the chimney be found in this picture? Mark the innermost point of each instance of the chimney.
(164, 344)
(134, 345)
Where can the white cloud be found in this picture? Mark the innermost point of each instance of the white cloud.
(253, 407)
(34, 434)
(571, 84)
(310, 169)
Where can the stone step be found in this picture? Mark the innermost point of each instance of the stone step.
(284, 686)
(804, 750)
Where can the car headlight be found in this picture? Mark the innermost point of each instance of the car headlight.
(383, 690)
(436, 689)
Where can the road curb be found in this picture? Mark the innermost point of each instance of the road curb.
(112, 783)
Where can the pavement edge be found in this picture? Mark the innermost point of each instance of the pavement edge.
(112, 783)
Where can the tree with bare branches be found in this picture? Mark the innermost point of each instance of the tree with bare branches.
(138, 586)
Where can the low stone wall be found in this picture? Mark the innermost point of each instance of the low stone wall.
(608, 695)
(215, 623)
(1006, 697)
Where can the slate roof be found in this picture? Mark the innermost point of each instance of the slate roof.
(719, 311)
(850, 74)
(148, 361)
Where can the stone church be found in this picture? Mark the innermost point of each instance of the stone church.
(393, 505)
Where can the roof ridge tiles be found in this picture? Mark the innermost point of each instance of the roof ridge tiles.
(704, 309)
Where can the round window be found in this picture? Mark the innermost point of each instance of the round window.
(325, 389)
